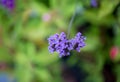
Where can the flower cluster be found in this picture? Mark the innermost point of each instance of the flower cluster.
(9, 4)
(63, 46)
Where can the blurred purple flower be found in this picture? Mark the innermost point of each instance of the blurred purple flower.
(9, 4)
(63, 46)
(5, 77)
(94, 3)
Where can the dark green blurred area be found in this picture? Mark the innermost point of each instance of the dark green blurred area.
(24, 55)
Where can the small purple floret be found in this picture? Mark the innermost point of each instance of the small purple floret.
(60, 44)
(78, 41)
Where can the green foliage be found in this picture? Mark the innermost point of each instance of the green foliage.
(24, 33)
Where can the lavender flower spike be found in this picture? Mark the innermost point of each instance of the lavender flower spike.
(60, 44)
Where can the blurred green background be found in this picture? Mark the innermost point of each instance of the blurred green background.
(24, 29)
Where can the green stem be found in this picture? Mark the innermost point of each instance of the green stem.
(71, 21)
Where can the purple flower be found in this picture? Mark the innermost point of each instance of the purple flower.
(60, 44)
(78, 41)
(94, 3)
(9, 4)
